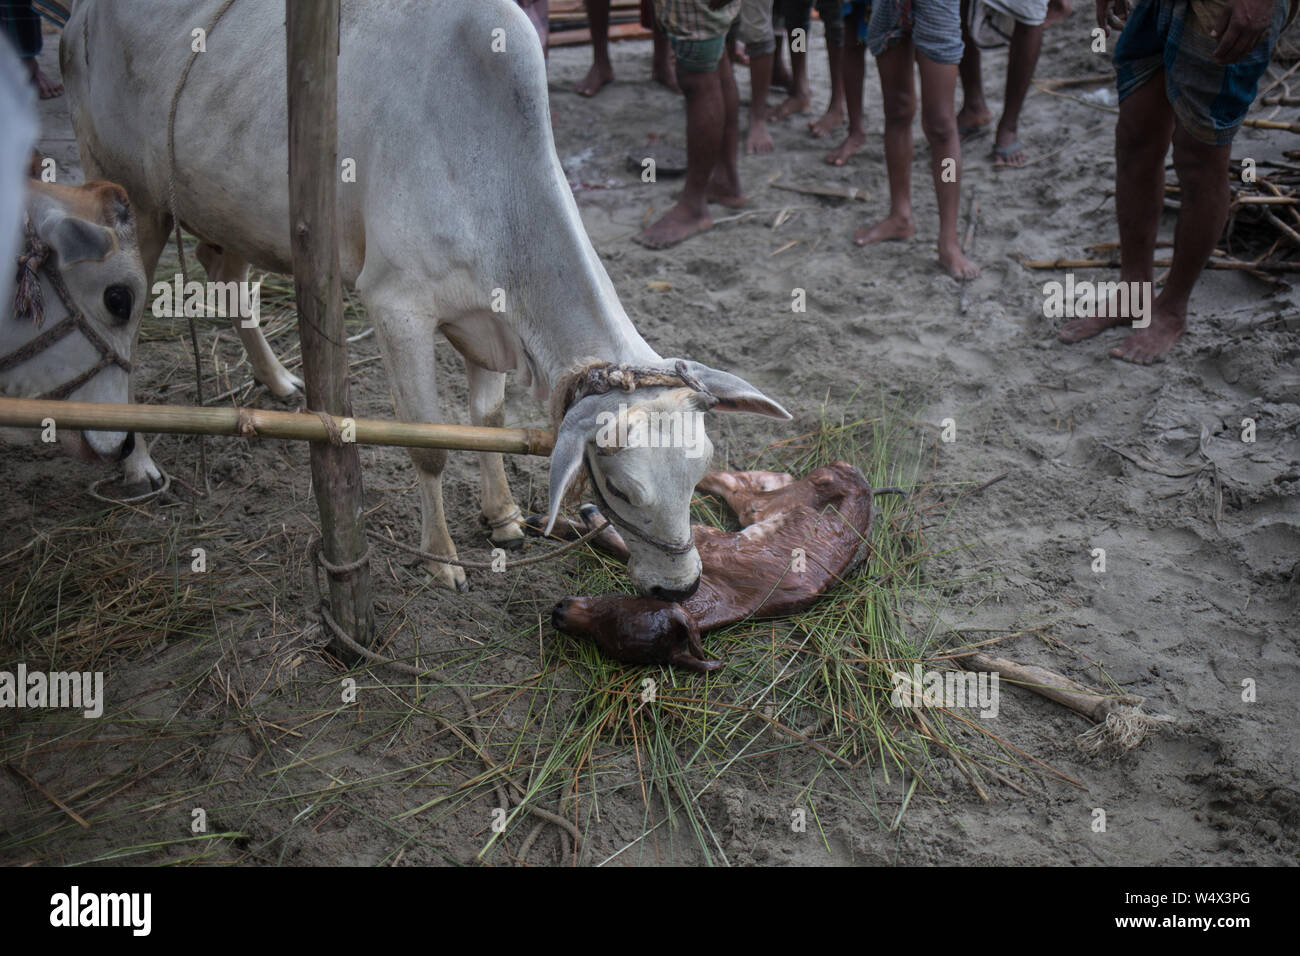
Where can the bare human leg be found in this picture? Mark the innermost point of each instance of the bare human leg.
(855, 74)
(897, 88)
(833, 118)
(1203, 173)
(799, 98)
(1142, 137)
(662, 71)
(724, 181)
(705, 119)
(975, 113)
(1022, 60)
(602, 70)
(759, 139)
(939, 122)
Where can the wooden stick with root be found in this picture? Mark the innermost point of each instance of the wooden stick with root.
(1120, 723)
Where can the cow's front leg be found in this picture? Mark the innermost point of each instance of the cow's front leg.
(408, 339)
(223, 266)
(487, 392)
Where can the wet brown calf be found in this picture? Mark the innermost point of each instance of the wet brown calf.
(798, 538)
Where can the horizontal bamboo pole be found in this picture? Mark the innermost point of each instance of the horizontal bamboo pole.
(259, 423)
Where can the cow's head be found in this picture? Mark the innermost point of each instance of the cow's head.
(76, 349)
(645, 450)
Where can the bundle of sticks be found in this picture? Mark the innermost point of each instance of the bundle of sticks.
(1262, 235)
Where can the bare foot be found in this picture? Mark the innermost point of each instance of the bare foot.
(677, 224)
(1057, 10)
(1076, 330)
(46, 87)
(596, 77)
(794, 103)
(831, 120)
(895, 227)
(1149, 345)
(955, 263)
(841, 153)
(759, 139)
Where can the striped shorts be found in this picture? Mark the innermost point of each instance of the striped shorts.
(1209, 99)
(934, 27)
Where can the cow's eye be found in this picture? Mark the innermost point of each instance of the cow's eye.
(118, 300)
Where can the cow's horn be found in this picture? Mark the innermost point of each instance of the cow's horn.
(734, 394)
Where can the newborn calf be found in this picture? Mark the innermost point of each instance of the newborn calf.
(799, 538)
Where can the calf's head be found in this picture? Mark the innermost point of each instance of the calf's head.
(85, 239)
(645, 451)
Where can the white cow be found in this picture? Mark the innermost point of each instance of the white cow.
(459, 204)
(73, 340)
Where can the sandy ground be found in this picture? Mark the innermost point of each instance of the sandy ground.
(1199, 593)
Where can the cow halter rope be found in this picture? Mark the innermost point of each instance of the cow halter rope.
(176, 225)
(602, 377)
(29, 304)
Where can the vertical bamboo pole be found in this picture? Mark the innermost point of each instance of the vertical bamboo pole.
(312, 36)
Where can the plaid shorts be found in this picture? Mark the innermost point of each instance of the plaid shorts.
(696, 33)
(933, 26)
(1209, 99)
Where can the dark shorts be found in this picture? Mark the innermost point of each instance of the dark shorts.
(1209, 99)
(22, 25)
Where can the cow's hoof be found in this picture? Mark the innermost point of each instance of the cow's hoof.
(511, 538)
(283, 384)
(447, 576)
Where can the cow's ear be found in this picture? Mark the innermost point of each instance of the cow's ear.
(567, 456)
(733, 394)
(76, 240)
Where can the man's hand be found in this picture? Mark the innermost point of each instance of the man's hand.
(1241, 26)
(1112, 13)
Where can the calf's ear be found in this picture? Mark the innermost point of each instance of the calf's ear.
(733, 393)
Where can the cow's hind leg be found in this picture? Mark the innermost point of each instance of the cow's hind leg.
(224, 266)
(486, 400)
(408, 339)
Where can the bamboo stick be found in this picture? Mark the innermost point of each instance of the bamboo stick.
(312, 51)
(261, 423)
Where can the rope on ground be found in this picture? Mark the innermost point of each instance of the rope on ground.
(479, 745)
